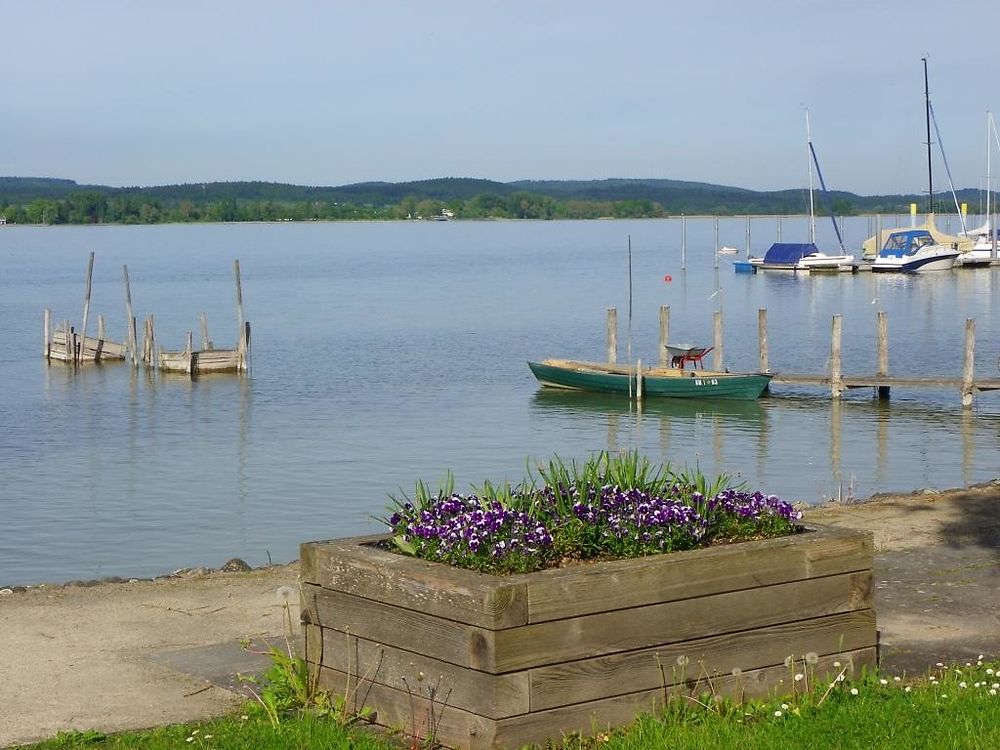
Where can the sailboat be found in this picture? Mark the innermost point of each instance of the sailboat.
(914, 250)
(984, 251)
(786, 256)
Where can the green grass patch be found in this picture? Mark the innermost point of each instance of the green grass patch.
(954, 706)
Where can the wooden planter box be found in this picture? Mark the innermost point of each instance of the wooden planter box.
(482, 661)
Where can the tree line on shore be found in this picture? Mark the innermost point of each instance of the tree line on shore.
(45, 201)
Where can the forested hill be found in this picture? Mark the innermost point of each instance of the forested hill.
(53, 201)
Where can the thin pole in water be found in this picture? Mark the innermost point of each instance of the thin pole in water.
(86, 305)
(716, 241)
(927, 112)
(684, 242)
(628, 344)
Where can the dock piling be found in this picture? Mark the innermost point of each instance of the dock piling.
(882, 347)
(836, 372)
(762, 339)
(612, 335)
(717, 344)
(47, 348)
(664, 335)
(969, 366)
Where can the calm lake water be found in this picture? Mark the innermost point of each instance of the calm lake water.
(387, 353)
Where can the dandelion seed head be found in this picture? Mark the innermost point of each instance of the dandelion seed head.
(883, 682)
(812, 658)
(962, 685)
(908, 689)
(788, 662)
(682, 661)
(854, 691)
(836, 665)
(897, 678)
(799, 677)
(778, 714)
(284, 594)
(737, 672)
(784, 706)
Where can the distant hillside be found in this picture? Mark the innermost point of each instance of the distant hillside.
(46, 200)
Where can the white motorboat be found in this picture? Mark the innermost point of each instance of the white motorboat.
(912, 251)
(820, 261)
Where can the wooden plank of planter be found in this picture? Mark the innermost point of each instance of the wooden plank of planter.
(437, 637)
(585, 589)
(356, 567)
(634, 671)
(409, 712)
(643, 627)
(493, 696)
(587, 718)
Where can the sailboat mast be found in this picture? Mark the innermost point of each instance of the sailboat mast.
(812, 205)
(927, 112)
(989, 182)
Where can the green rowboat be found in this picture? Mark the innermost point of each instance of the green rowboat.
(651, 381)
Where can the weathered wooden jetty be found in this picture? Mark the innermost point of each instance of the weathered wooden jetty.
(189, 360)
(65, 343)
(881, 381)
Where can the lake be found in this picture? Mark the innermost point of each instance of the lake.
(384, 353)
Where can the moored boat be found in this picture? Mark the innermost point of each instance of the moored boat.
(912, 251)
(650, 381)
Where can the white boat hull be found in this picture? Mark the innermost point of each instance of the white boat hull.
(936, 260)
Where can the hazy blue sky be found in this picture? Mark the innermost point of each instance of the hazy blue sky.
(130, 92)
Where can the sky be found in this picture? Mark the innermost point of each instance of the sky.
(136, 93)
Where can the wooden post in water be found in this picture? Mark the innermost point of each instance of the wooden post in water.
(882, 348)
(684, 242)
(612, 335)
(47, 347)
(68, 343)
(638, 380)
(100, 328)
(717, 344)
(716, 241)
(970, 356)
(130, 319)
(664, 335)
(86, 304)
(764, 365)
(246, 363)
(836, 372)
(189, 353)
(205, 343)
(239, 297)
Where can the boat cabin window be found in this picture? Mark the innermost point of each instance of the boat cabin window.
(896, 242)
(921, 240)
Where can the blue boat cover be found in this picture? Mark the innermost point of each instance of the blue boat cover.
(906, 242)
(788, 252)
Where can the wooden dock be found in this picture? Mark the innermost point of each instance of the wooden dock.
(881, 382)
(207, 359)
(67, 344)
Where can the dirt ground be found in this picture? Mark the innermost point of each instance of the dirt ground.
(130, 655)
